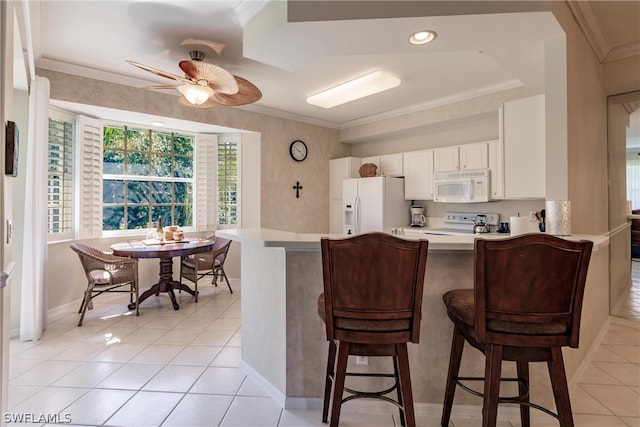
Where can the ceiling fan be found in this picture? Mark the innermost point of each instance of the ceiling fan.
(206, 85)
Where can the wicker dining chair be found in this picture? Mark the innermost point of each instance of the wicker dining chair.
(106, 273)
(196, 266)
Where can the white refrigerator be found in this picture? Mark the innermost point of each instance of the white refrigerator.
(374, 204)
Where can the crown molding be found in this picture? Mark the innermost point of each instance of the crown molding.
(623, 51)
(590, 26)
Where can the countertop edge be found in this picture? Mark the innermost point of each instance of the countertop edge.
(290, 241)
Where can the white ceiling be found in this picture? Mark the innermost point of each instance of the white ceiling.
(318, 45)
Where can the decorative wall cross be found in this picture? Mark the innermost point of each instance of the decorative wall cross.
(297, 187)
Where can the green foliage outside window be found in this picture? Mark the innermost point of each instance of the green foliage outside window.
(146, 174)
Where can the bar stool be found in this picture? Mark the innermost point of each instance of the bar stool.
(525, 306)
(371, 306)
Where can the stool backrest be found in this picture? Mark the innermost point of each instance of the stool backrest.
(373, 287)
(529, 290)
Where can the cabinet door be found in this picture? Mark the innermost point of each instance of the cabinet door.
(445, 159)
(418, 175)
(373, 159)
(474, 156)
(523, 124)
(339, 170)
(391, 165)
(496, 166)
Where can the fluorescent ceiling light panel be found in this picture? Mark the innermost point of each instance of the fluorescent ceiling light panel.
(366, 85)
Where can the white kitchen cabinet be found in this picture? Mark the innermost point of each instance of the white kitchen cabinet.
(474, 156)
(446, 159)
(418, 175)
(496, 167)
(461, 157)
(339, 170)
(391, 165)
(523, 135)
(372, 159)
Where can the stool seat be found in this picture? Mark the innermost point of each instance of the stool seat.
(461, 308)
(525, 306)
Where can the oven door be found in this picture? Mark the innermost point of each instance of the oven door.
(455, 190)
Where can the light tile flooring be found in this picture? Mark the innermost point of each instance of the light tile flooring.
(180, 368)
(630, 307)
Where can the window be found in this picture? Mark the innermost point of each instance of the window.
(227, 181)
(147, 174)
(60, 177)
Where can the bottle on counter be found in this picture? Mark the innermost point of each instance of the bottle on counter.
(159, 230)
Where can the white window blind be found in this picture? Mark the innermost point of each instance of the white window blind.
(228, 182)
(205, 174)
(60, 178)
(90, 177)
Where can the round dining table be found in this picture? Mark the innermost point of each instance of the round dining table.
(165, 250)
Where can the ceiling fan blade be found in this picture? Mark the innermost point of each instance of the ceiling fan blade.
(160, 87)
(161, 73)
(247, 94)
(219, 79)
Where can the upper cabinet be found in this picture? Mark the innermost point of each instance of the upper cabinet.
(523, 136)
(461, 157)
(496, 167)
(388, 164)
(391, 165)
(418, 175)
(339, 170)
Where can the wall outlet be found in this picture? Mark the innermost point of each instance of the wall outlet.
(362, 360)
(532, 216)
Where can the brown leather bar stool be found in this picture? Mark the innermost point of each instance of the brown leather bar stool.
(525, 306)
(371, 306)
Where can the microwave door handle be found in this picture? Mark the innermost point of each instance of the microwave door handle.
(470, 190)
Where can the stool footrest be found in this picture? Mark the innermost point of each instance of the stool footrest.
(519, 399)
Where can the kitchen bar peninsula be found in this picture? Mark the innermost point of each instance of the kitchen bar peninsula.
(284, 344)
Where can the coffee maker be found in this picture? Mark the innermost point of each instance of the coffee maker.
(417, 216)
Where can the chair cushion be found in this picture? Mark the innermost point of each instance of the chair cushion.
(100, 277)
(461, 308)
(363, 324)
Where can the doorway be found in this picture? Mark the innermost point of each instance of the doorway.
(623, 135)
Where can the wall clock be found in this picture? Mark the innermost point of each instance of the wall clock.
(298, 150)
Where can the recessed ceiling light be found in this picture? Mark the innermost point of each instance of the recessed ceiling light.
(366, 85)
(423, 37)
(156, 123)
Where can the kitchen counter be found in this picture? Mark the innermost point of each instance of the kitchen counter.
(270, 238)
(284, 345)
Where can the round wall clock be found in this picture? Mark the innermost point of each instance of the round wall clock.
(298, 150)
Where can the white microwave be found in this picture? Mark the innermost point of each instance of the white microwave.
(462, 187)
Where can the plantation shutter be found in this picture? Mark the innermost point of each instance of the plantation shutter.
(90, 177)
(206, 157)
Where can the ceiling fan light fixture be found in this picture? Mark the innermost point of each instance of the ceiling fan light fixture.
(422, 37)
(196, 94)
(369, 84)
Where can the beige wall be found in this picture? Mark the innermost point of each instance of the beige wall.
(279, 207)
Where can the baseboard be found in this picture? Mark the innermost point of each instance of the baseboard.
(261, 381)
(56, 313)
(586, 361)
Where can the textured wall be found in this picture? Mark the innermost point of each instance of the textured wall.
(280, 208)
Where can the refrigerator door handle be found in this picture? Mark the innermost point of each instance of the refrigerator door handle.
(356, 215)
